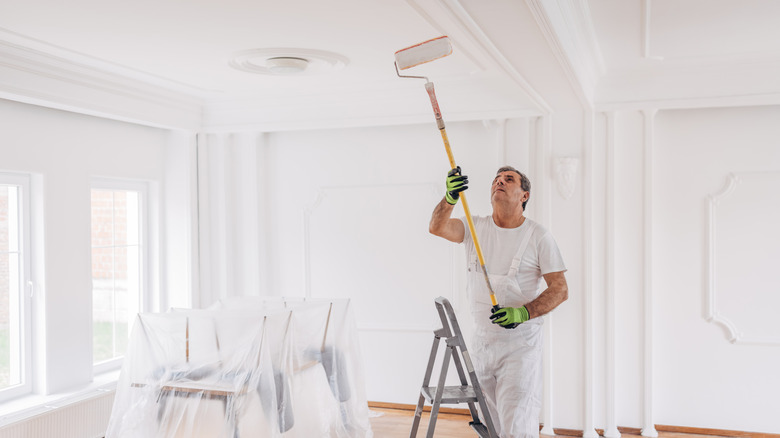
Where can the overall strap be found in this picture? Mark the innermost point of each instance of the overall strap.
(521, 250)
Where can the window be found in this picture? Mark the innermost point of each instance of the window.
(15, 350)
(118, 260)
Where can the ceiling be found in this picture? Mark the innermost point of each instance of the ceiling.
(148, 59)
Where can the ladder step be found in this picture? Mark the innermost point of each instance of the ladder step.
(451, 394)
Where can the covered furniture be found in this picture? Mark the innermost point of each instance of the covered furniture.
(246, 367)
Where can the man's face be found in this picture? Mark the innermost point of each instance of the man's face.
(507, 187)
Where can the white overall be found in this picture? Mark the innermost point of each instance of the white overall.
(508, 362)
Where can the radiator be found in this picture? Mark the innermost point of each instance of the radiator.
(85, 418)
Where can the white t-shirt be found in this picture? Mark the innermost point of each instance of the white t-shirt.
(500, 245)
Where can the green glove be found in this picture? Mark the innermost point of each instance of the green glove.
(456, 183)
(510, 317)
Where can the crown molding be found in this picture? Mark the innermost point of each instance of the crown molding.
(489, 48)
(38, 73)
(450, 18)
(568, 29)
(237, 118)
(741, 100)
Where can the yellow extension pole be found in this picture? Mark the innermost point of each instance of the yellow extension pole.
(472, 230)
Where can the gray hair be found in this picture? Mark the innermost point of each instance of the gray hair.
(525, 183)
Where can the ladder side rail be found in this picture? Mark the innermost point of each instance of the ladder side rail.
(455, 343)
(472, 407)
(436, 403)
(453, 322)
(454, 340)
(426, 381)
(480, 396)
(445, 330)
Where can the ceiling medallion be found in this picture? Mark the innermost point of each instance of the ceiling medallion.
(288, 62)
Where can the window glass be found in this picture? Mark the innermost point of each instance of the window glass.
(12, 296)
(116, 269)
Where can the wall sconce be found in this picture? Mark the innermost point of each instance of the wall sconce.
(566, 175)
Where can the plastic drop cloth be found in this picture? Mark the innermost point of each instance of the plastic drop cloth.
(246, 367)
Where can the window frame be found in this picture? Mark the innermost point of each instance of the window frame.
(26, 286)
(144, 297)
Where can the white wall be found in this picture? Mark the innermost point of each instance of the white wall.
(344, 212)
(694, 153)
(366, 233)
(627, 268)
(64, 150)
(665, 166)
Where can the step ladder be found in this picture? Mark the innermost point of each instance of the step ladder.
(465, 393)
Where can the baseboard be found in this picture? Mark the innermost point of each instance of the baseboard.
(574, 432)
(717, 432)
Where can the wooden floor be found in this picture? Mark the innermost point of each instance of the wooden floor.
(397, 423)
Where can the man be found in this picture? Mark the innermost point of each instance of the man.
(518, 253)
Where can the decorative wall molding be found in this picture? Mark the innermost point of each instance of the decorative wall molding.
(649, 129)
(646, 16)
(588, 255)
(307, 213)
(542, 157)
(547, 379)
(610, 427)
(566, 175)
(540, 153)
(714, 314)
(711, 315)
(213, 212)
(201, 295)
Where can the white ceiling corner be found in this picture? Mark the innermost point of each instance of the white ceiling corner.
(569, 32)
(489, 49)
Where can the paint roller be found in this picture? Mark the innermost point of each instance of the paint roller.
(412, 56)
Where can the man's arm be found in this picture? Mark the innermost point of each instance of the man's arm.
(443, 225)
(556, 293)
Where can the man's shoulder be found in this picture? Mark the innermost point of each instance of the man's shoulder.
(539, 230)
(536, 225)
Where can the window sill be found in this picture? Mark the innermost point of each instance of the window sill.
(27, 406)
